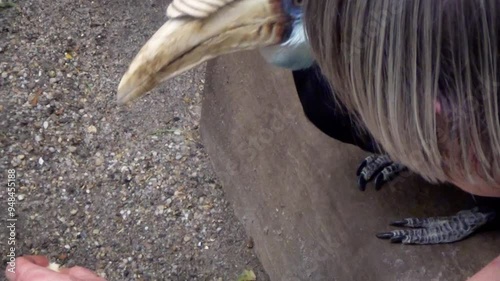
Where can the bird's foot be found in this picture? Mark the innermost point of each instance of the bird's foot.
(378, 167)
(439, 230)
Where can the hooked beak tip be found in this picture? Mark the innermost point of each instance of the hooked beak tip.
(123, 95)
(131, 87)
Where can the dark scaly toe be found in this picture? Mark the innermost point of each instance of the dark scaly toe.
(388, 174)
(370, 167)
(438, 230)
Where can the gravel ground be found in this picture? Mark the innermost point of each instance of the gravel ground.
(128, 192)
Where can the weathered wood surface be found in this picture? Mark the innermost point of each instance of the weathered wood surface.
(295, 189)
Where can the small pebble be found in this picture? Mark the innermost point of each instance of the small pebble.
(250, 243)
(99, 161)
(62, 257)
(159, 210)
(91, 129)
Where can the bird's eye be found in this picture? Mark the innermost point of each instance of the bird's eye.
(298, 3)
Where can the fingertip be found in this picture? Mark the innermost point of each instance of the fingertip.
(64, 270)
(24, 263)
(38, 260)
(27, 269)
(497, 261)
(10, 274)
(84, 274)
(489, 273)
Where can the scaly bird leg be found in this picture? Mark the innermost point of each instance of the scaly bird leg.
(378, 167)
(439, 230)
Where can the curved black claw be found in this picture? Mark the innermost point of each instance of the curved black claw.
(397, 239)
(439, 230)
(362, 183)
(379, 167)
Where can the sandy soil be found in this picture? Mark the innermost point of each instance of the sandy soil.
(128, 192)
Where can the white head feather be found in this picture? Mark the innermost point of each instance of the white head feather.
(195, 8)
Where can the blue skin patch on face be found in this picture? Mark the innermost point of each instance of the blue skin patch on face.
(294, 53)
(292, 8)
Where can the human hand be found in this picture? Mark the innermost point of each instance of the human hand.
(34, 268)
(490, 273)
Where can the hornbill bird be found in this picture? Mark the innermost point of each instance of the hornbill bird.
(199, 30)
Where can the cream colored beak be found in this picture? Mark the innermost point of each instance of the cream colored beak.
(185, 42)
